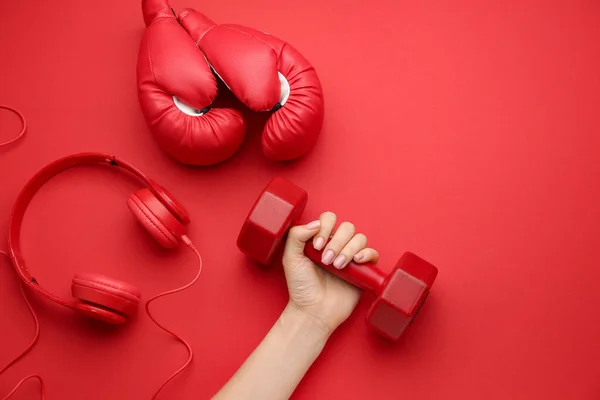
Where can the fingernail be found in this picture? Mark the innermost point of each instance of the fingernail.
(359, 256)
(328, 257)
(339, 261)
(313, 225)
(318, 243)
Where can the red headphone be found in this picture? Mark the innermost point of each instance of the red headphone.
(97, 296)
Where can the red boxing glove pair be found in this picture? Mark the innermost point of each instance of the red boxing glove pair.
(176, 87)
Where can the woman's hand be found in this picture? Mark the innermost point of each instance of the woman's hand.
(319, 303)
(325, 298)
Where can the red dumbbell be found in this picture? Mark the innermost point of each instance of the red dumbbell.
(400, 294)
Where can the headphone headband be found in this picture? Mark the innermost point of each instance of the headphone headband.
(36, 183)
(96, 296)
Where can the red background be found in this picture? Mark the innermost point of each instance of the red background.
(467, 133)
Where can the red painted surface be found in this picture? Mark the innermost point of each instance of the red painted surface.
(465, 132)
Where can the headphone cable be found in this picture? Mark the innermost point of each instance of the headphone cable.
(33, 342)
(186, 240)
(39, 378)
(23, 129)
(188, 243)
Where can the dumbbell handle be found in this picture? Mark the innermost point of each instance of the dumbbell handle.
(365, 276)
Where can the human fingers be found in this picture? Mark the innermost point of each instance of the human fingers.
(340, 239)
(353, 247)
(297, 238)
(328, 220)
(367, 255)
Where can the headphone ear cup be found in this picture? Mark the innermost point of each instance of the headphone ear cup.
(99, 313)
(174, 206)
(156, 218)
(98, 292)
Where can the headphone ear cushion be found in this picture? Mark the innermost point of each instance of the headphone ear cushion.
(108, 293)
(150, 221)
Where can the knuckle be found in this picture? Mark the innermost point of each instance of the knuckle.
(329, 215)
(294, 231)
(361, 238)
(373, 255)
(367, 253)
(349, 226)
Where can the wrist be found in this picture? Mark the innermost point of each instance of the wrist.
(296, 320)
(275, 368)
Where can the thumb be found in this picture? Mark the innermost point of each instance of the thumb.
(195, 23)
(297, 238)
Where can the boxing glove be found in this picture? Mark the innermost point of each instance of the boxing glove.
(176, 90)
(266, 74)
